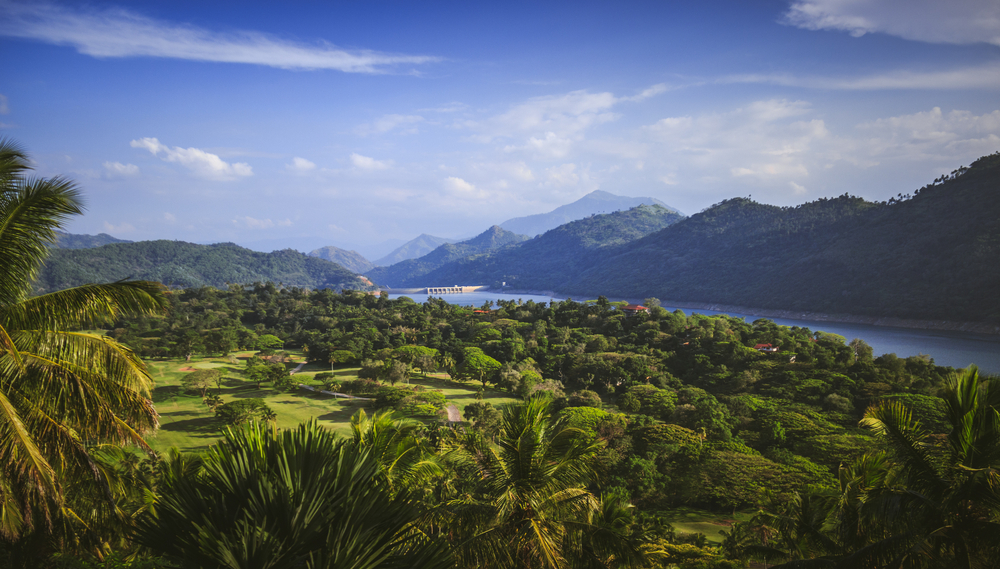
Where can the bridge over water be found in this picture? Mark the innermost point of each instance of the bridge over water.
(436, 290)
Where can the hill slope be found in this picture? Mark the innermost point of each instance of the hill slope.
(350, 260)
(934, 256)
(79, 241)
(417, 247)
(176, 263)
(595, 202)
(411, 272)
(559, 256)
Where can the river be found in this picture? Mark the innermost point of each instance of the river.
(955, 349)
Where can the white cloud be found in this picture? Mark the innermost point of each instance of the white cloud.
(935, 21)
(203, 163)
(4, 108)
(120, 33)
(406, 124)
(957, 135)
(300, 165)
(169, 217)
(365, 163)
(562, 175)
(462, 189)
(123, 227)
(985, 76)
(783, 151)
(253, 223)
(552, 127)
(117, 169)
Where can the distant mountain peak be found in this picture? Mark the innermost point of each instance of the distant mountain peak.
(416, 247)
(596, 202)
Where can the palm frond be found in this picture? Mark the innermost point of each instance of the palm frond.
(30, 212)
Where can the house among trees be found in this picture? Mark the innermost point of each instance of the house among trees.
(766, 348)
(633, 309)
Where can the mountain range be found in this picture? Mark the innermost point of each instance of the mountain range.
(180, 264)
(595, 202)
(411, 271)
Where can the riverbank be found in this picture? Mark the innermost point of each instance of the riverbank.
(885, 321)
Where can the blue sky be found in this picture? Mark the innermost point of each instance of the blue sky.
(349, 123)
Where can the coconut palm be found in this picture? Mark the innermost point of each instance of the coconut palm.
(923, 502)
(61, 390)
(529, 506)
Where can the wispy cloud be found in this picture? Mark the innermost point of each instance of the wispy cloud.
(300, 165)
(973, 77)
(120, 33)
(4, 108)
(934, 21)
(117, 169)
(123, 227)
(404, 124)
(366, 163)
(253, 223)
(203, 163)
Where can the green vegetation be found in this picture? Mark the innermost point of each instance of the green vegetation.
(350, 260)
(62, 392)
(73, 241)
(180, 264)
(588, 433)
(554, 260)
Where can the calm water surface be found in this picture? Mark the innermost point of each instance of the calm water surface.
(955, 349)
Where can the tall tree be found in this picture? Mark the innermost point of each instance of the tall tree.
(60, 390)
(530, 506)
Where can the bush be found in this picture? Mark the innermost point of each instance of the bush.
(585, 398)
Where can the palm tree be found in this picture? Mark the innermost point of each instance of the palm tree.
(529, 506)
(922, 502)
(60, 390)
(265, 498)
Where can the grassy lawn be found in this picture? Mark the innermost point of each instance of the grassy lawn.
(188, 424)
(691, 521)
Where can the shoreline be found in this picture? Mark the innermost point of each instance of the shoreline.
(884, 321)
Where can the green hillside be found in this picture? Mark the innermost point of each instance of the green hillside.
(180, 264)
(350, 260)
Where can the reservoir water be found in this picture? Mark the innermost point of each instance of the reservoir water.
(955, 349)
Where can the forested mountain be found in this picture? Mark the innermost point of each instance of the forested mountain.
(417, 247)
(935, 255)
(411, 271)
(350, 260)
(176, 263)
(560, 255)
(595, 202)
(78, 241)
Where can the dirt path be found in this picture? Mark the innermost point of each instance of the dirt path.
(453, 415)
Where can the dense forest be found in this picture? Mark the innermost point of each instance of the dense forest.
(829, 443)
(180, 264)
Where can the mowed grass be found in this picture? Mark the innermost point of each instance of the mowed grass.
(188, 424)
(688, 521)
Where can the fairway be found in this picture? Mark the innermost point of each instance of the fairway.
(188, 424)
